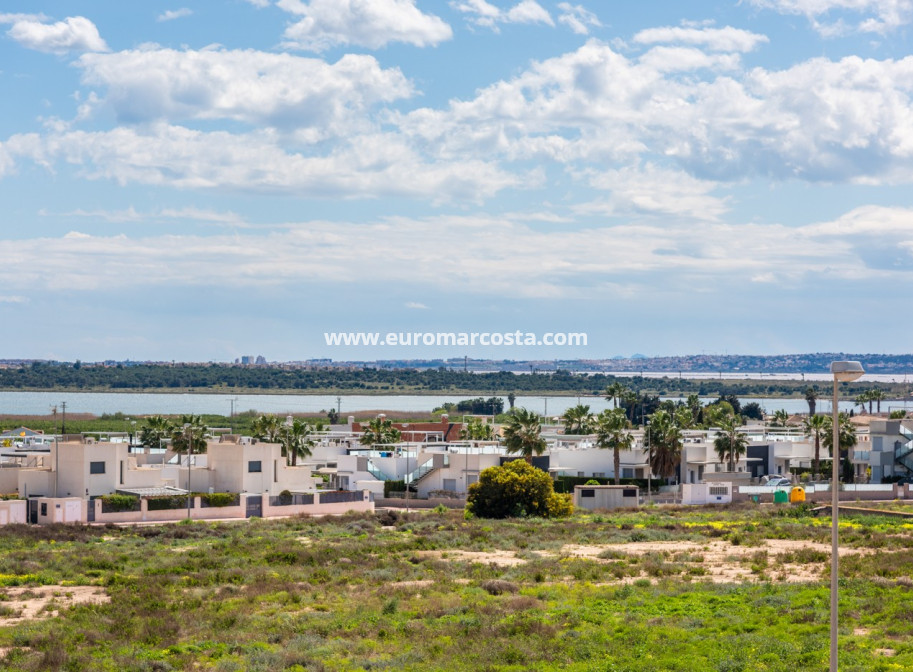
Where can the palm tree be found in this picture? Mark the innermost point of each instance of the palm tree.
(816, 426)
(380, 431)
(877, 396)
(665, 444)
(267, 428)
(811, 397)
(730, 444)
(577, 420)
(847, 435)
(781, 418)
(684, 417)
(612, 432)
(189, 435)
(476, 430)
(693, 402)
(155, 430)
(615, 392)
(523, 434)
(511, 399)
(862, 399)
(297, 441)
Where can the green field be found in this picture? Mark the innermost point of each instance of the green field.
(725, 589)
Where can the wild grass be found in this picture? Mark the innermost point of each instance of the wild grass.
(363, 592)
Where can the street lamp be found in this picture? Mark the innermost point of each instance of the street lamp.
(406, 477)
(843, 372)
(189, 432)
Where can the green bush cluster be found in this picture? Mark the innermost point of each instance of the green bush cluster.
(219, 499)
(116, 502)
(163, 502)
(516, 489)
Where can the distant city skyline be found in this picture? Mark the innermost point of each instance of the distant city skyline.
(221, 180)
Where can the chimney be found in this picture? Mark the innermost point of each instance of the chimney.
(445, 419)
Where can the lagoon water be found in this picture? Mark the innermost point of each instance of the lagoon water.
(98, 403)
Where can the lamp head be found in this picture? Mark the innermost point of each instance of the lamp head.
(845, 372)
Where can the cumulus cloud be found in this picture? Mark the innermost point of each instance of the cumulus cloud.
(75, 33)
(578, 18)
(820, 120)
(258, 88)
(483, 13)
(836, 17)
(172, 14)
(374, 24)
(715, 39)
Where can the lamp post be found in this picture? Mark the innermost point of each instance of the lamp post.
(406, 477)
(189, 431)
(843, 372)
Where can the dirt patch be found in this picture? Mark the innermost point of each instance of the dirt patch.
(499, 558)
(718, 561)
(46, 601)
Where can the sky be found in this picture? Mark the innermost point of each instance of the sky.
(203, 181)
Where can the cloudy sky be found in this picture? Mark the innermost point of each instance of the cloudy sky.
(204, 181)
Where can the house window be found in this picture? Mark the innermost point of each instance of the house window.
(581, 474)
(96, 467)
(588, 492)
(598, 474)
(44, 508)
(627, 473)
(718, 490)
(472, 478)
(254, 466)
(450, 484)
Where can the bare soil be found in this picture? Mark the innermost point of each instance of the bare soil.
(46, 601)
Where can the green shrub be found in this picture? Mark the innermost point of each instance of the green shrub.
(218, 499)
(516, 489)
(163, 502)
(115, 503)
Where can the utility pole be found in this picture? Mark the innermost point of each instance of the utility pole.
(63, 426)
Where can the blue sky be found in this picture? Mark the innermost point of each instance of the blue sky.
(204, 181)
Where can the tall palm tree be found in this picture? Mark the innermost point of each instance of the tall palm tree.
(877, 395)
(846, 435)
(730, 444)
(523, 434)
(816, 426)
(693, 402)
(297, 441)
(191, 438)
(615, 392)
(577, 420)
(811, 397)
(380, 431)
(684, 417)
(612, 432)
(155, 429)
(665, 440)
(861, 400)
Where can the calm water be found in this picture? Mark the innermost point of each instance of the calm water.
(41, 403)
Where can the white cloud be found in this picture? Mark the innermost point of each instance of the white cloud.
(171, 14)
(483, 13)
(16, 18)
(715, 39)
(847, 120)
(131, 215)
(869, 16)
(578, 18)
(373, 24)
(497, 257)
(652, 190)
(75, 33)
(367, 166)
(13, 299)
(258, 88)
(260, 4)
(415, 305)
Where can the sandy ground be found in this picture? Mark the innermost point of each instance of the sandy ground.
(46, 601)
(721, 561)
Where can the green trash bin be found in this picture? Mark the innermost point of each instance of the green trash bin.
(780, 497)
